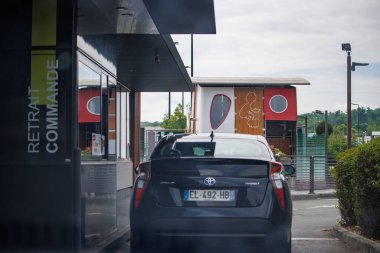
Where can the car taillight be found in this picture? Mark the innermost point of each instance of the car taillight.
(276, 179)
(140, 187)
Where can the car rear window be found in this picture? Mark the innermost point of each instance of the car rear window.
(222, 148)
(216, 167)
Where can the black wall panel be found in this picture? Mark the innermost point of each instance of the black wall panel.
(39, 192)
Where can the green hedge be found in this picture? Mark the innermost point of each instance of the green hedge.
(366, 178)
(357, 176)
(344, 185)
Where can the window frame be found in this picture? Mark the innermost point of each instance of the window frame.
(106, 78)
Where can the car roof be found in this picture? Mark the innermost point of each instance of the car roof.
(202, 137)
(223, 136)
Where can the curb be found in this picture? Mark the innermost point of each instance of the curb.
(313, 196)
(111, 242)
(359, 243)
(118, 242)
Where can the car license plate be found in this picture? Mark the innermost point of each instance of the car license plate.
(209, 195)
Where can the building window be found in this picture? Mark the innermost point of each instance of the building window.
(102, 113)
(112, 129)
(278, 104)
(89, 111)
(93, 105)
(220, 107)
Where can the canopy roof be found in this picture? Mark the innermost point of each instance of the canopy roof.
(144, 62)
(133, 35)
(248, 81)
(183, 16)
(151, 63)
(146, 16)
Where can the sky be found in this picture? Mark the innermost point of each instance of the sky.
(288, 38)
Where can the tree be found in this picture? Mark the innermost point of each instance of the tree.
(320, 128)
(176, 121)
(336, 144)
(150, 124)
(369, 120)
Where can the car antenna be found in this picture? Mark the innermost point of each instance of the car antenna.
(212, 136)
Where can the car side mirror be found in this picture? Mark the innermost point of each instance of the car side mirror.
(137, 170)
(289, 169)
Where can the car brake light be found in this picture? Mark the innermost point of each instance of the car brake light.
(276, 179)
(140, 186)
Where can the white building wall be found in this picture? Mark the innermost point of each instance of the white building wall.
(204, 99)
(198, 109)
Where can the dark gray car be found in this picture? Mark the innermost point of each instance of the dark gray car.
(200, 188)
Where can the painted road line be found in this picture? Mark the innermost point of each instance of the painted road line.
(325, 206)
(313, 239)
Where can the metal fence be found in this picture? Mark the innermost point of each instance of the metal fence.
(313, 173)
(151, 137)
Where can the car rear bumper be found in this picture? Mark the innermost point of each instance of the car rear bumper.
(210, 234)
(208, 227)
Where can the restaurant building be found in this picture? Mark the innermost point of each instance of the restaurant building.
(72, 73)
(261, 106)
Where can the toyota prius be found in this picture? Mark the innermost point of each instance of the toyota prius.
(200, 188)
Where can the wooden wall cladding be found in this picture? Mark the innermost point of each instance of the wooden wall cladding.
(249, 118)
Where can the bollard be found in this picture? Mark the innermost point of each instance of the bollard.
(311, 188)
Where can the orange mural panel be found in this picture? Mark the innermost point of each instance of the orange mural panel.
(249, 118)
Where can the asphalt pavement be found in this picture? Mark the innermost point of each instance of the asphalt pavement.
(313, 221)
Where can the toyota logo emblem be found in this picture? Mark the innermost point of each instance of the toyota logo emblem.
(209, 181)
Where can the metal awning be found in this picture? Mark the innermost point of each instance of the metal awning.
(146, 17)
(182, 16)
(151, 63)
(132, 35)
(248, 81)
(114, 17)
(144, 62)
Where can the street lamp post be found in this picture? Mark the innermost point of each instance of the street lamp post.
(326, 147)
(326, 133)
(326, 128)
(169, 111)
(192, 55)
(350, 67)
(357, 115)
(191, 123)
(349, 99)
(326, 141)
(304, 139)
